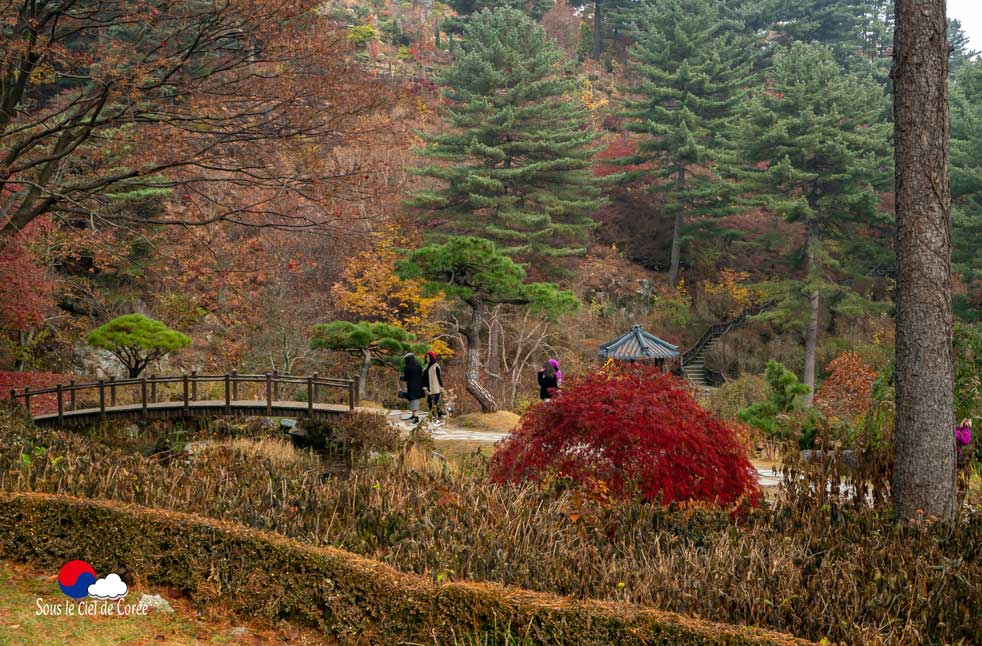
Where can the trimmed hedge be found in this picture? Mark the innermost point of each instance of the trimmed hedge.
(359, 600)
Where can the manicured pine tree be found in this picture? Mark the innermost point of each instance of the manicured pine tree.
(473, 275)
(514, 162)
(693, 69)
(375, 343)
(816, 149)
(966, 185)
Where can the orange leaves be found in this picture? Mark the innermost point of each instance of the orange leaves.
(846, 391)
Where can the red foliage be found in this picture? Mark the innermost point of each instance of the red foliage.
(26, 287)
(618, 148)
(637, 430)
(41, 404)
(846, 391)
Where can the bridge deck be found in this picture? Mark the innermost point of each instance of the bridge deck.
(206, 408)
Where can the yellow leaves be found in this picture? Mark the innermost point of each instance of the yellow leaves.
(591, 99)
(371, 289)
(732, 290)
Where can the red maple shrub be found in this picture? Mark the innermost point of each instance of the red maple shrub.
(638, 431)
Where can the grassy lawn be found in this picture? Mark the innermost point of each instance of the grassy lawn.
(501, 422)
(22, 585)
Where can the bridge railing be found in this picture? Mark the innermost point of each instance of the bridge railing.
(106, 394)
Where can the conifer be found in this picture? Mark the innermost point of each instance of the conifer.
(513, 165)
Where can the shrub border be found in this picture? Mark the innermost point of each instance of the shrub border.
(359, 600)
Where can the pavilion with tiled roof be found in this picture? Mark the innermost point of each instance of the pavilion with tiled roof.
(638, 345)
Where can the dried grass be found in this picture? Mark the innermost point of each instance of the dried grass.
(815, 567)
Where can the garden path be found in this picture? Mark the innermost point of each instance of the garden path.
(766, 475)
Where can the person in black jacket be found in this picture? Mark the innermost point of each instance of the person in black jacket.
(548, 381)
(433, 380)
(412, 374)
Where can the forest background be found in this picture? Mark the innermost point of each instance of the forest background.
(246, 172)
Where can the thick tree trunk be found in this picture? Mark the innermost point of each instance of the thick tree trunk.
(673, 267)
(811, 343)
(363, 375)
(597, 24)
(811, 331)
(924, 454)
(473, 335)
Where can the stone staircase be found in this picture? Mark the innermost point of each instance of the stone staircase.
(694, 359)
(695, 368)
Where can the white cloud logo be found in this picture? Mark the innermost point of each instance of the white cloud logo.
(112, 587)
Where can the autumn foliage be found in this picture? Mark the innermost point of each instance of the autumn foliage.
(41, 404)
(26, 286)
(846, 391)
(638, 431)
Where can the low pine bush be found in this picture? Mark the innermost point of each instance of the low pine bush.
(636, 430)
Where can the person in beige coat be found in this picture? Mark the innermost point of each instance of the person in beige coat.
(433, 384)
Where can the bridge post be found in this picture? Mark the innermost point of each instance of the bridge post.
(235, 385)
(276, 385)
(310, 395)
(194, 385)
(228, 393)
(185, 380)
(102, 398)
(352, 396)
(269, 394)
(153, 389)
(143, 394)
(72, 397)
(112, 391)
(316, 378)
(27, 402)
(61, 404)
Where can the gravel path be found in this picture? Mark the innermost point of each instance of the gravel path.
(765, 473)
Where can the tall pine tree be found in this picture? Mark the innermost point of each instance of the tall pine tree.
(467, 8)
(841, 25)
(514, 162)
(816, 148)
(692, 71)
(966, 186)
(602, 14)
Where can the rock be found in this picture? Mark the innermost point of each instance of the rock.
(298, 432)
(258, 425)
(287, 423)
(197, 448)
(156, 602)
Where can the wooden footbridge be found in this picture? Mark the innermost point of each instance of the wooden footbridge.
(190, 395)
